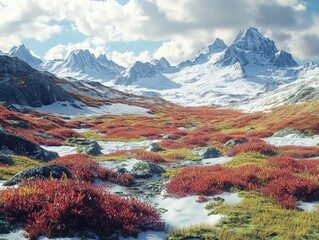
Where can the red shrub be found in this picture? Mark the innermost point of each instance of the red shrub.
(150, 156)
(198, 140)
(63, 133)
(298, 151)
(81, 166)
(55, 207)
(111, 176)
(173, 144)
(282, 179)
(253, 146)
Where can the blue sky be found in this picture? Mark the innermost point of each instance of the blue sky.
(130, 30)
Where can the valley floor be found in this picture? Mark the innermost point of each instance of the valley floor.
(225, 174)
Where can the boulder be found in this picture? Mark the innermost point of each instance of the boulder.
(121, 171)
(154, 147)
(146, 169)
(43, 135)
(289, 131)
(19, 124)
(235, 142)
(4, 224)
(44, 172)
(206, 152)
(79, 141)
(12, 144)
(92, 149)
(4, 159)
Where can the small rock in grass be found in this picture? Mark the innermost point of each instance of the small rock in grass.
(92, 149)
(289, 131)
(154, 147)
(206, 152)
(146, 169)
(44, 172)
(235, 142)
(79, 141)
(5, 159)
(4, 224)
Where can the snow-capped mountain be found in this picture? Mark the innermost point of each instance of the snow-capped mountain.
(144, 75)
(220, 75)
(252, 48)
(162, 65)
(83, 64)
(204, 54)
(25, 54)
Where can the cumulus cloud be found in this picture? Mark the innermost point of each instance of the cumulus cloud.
(127, 58)
(61, 51)
(184, 26)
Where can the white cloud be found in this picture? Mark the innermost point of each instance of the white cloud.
(127, 58)
(61, 51)
(184, 26)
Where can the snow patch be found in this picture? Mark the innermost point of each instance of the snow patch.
(292, 141)
(69, 109)
(110, 146)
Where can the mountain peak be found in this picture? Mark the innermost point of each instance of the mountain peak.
(161, 64)
(252, 40)
(25, 54)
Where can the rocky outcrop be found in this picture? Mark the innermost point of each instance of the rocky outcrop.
(154, 147)
(12, 144)
(44, 172)
(5, 159)
(92, 149)
(146, 169)
(235, 142)
(289, 132)
(23, 85)
(86, 146)
(206, 152)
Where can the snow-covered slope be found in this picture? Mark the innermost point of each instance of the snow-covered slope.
(221, 75)
(162, 65)
(82, 64)
(25, 54)
(144, 75)
(305, 88)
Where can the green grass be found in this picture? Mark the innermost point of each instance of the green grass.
(182, 153)
(19, 163)
(255, 218)
(246, 159)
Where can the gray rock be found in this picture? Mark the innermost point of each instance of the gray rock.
(167, 136)
(4, 159)
(121, 170)
(23, 85)
(12, 144)
(289, 131)
(79, 141)
(43, 135)
(44, 172)
(146, 169)
(4, 224)
(235, 142)
(154, 147)
(206, 152)
(92, 149)
(19, 124)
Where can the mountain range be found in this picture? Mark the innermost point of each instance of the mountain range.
(241, 74)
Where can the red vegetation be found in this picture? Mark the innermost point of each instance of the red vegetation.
(255, 146)
(299, 152)
(55, 207)
(63, 133)
(111, 176)
(81, 166)
(139, 154)
(282, 179)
